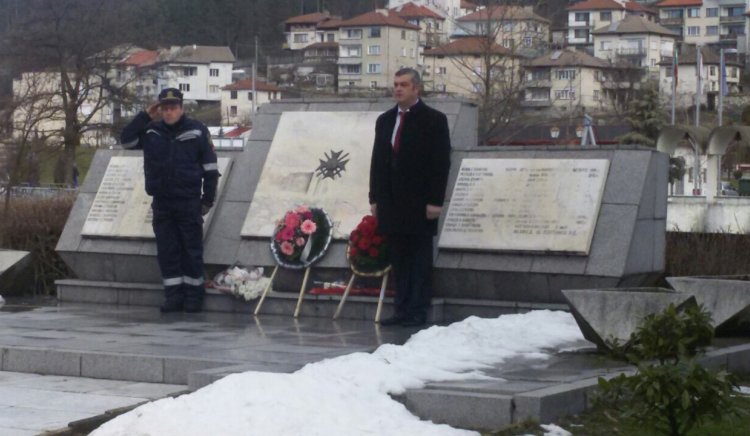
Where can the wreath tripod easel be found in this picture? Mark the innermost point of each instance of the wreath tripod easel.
(357, 273)
(296, 244)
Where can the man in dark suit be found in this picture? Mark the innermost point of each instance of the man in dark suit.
(408, 177)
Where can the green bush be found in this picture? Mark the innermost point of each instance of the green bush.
(671, 392)
(35, 225)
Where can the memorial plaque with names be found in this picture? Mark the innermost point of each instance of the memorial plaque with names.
(535, 205)
(121, 208)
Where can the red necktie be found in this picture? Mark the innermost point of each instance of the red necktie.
(397, 140)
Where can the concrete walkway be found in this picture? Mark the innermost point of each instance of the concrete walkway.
(98, 357)
(31, 404)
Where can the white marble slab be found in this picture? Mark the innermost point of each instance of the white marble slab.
(538, 205)
(121, 208)
(292, 171)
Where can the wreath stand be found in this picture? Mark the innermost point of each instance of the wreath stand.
(306, 262)
(268, 288)
(356, 273)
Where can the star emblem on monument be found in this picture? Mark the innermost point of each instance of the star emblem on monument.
(333, 165)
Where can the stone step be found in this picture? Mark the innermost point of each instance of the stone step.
(283, 303)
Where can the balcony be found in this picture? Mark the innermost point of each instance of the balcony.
(536, 103)
(735, 3)
(350, 60)
(733, 19)
(672, 21)
(631, 52)
(580, 25)
(539, 83)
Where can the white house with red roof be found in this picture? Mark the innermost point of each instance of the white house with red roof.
(516, 28)
(237, 100)
(373, 46)
(587, 15)
(432, 25)
(706, 21)
(303, 30)
(451, 10)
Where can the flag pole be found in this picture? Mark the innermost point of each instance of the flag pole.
(698, 91)
(674, 81)
(722, 81)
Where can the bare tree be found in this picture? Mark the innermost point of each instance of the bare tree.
(73, 43)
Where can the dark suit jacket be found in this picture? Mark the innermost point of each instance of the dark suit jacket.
(403, 183)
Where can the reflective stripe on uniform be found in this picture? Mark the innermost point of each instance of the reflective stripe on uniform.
(191, 281)
(153, 131)
(130, 144)
(174, 281)
(211, 167)
(190, 134)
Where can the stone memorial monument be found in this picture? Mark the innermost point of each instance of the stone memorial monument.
(520, 225)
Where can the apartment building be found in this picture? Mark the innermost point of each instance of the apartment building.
(373, 46)
(451, 10)
(565, 80)
(634, 41)
(303, 30)
(585, 16)
(687, 78)
(460, 67)
(432, 31)
(706, 21)
(237, 100)
(199, 71)
(516, 28)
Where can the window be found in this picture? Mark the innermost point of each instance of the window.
(374, 69)
(213, 72)
(330, 37)
(537, 94)
(735, 12)
(119, 75)
(374, 84)
(441, 70)
(694, 12)
(411, 53)
(581, 34)
(673, 13)
(213, 89)
(653, 62)
(528, 41)
(403, 51)
(353, 33)
(596, 95)
(233, 95)
(373, 50)
(374, 32)
(508, 27)
(350, 69)
(440, 88)
(250, 96)
(712, 70)
(712, 12)
(605, 16)
(565, 74)
(565, 94)
(582, 17)
(694, 30)
(537, 75)
(403, 34)
(351, 51)
(300, 38)
(185, 87)
(606, 45)
(189, 71)
(507, 42)
(233, 111)
(712, 30)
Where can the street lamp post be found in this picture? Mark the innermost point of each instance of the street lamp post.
(723, 81)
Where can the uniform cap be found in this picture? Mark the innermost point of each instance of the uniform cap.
(170, 95)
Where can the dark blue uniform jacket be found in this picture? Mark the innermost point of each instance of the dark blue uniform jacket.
(178, 160)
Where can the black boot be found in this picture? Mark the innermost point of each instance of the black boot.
(194, 299)
(174, 299)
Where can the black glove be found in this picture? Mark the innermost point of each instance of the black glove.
(205, 208)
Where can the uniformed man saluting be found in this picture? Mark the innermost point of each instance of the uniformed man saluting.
(181, 175)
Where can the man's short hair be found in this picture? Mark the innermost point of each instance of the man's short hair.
(415, 78)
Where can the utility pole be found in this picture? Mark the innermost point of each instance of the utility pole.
(255, 74)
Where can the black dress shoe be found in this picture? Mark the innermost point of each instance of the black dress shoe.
(394, 320)
(414, 321)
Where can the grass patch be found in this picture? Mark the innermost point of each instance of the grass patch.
(48, 158)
